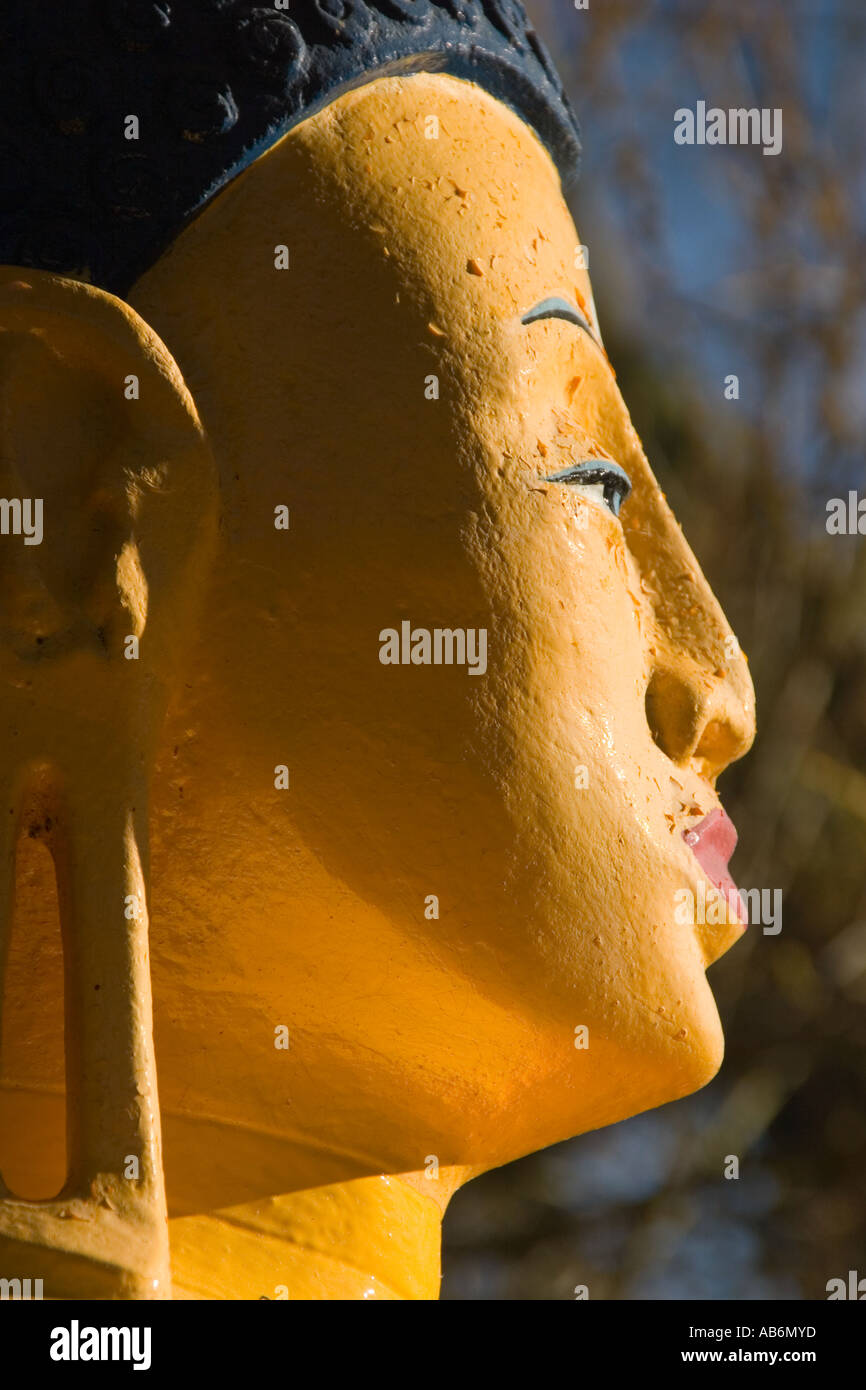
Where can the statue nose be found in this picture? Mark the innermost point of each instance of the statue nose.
(699, 698)
(698, 714)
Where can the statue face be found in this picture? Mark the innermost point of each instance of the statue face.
(472, 861)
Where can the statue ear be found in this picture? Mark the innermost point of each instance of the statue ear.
(107, 482)
(106, 519)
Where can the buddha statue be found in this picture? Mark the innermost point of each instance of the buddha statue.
(363, 702)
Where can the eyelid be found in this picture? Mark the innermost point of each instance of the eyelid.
(560, 309)
(596, 471)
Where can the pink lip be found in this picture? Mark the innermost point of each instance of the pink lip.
(713, 841)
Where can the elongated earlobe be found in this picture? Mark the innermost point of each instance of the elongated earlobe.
(106, 527)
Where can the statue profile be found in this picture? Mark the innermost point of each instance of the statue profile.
(363, 687)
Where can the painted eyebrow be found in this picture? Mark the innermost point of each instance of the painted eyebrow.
(557, 308)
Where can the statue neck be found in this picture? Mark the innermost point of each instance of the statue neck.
(373, 1237)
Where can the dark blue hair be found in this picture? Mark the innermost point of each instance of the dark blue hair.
(213, 83)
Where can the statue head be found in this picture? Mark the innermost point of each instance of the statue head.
(458, 689)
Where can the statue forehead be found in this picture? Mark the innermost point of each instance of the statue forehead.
(212, 84)
(476, 213)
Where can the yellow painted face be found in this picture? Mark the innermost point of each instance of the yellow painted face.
(463, 904)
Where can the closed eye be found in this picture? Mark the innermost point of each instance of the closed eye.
(601, 479)
(557, 308)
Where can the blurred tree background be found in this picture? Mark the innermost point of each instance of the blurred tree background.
(708, 262)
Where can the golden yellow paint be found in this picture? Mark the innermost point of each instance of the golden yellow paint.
(320, 1244)
(128, 489)
(411, 1037)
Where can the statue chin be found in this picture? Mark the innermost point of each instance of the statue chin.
(424, 700)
